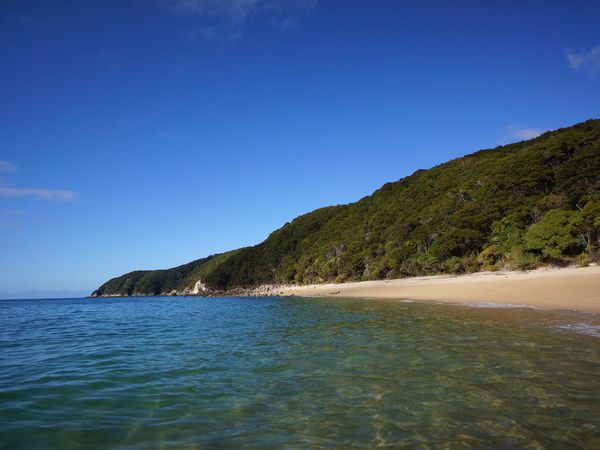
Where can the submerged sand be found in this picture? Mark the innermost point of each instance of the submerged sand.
(550, 288)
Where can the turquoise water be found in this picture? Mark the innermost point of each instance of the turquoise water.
(297, 373)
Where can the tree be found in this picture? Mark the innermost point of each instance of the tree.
(589, 230)
(507, 233)
(554, 233)
(456, 242)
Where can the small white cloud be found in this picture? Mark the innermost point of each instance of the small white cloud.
(47, 194)
(7, 166)
(515, 134)
(585, 60)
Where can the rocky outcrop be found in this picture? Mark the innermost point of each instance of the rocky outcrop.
(202, 290)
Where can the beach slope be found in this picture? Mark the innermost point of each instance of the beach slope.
(564, 288)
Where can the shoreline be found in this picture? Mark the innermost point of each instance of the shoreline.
(568, 288)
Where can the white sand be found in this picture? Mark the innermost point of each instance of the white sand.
(568, 288)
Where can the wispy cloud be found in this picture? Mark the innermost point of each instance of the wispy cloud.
(47, 194)
(7, 166)
(7, 218)
(11, 213)
(588, 61)
(521, 134)
(234, 11)
(221, 33)
(7, 189)
(224, 20)
(18, 18)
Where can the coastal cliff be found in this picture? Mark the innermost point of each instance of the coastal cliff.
(518, 206)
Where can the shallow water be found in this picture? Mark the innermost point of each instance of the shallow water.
(301, 373)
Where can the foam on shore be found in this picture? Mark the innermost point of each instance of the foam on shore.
(587, 329)
(497, 305)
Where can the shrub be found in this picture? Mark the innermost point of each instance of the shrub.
(456, 264)
(490, 255)
(519, 259)
(582, 260)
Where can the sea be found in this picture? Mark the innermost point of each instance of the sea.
(301, 373)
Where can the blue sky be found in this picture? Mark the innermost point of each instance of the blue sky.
(144, 134)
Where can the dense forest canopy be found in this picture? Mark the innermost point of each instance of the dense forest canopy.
(517, 206)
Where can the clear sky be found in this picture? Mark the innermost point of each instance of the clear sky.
(139, 134)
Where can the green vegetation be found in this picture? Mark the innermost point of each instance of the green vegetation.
(150, 282)
(517, 207)
(555, 234)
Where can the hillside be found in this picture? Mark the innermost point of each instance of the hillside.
(516, 206)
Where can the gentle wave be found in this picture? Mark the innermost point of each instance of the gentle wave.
(497, 305)
(587, 329)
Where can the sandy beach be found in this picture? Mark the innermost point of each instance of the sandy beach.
(548, 288)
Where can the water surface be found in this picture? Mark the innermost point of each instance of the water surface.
(302, 373)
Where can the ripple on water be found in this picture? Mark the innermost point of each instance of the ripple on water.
(301, 373)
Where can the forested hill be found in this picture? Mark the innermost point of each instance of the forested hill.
(517, 206)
